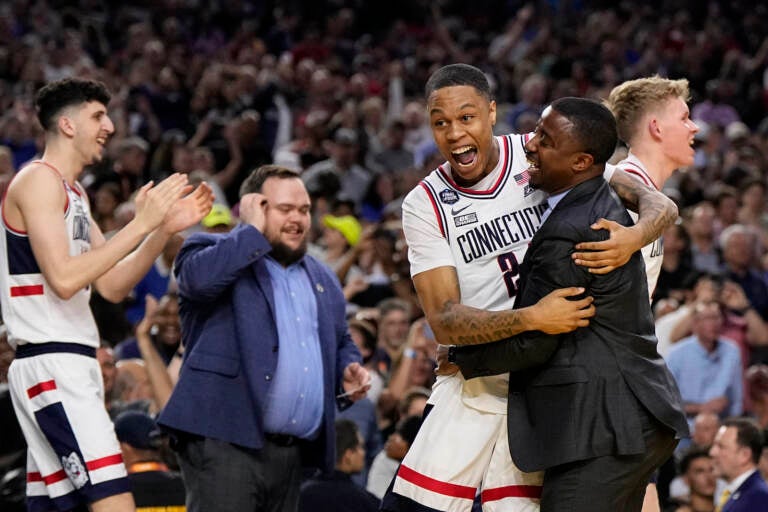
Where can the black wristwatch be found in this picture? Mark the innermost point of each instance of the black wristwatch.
(452, 354)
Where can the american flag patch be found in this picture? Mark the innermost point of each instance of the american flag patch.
(522, 178)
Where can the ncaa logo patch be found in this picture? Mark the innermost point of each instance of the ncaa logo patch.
(449, 196)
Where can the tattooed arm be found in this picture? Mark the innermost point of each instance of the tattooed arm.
(656, 211)
(456, 324)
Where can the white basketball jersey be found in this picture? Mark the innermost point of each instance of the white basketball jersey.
(483, 232)
(32, 312)
(653, 253)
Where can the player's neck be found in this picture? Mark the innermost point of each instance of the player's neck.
(64, 159)
(655, 163)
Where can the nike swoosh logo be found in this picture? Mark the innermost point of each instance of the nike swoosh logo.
(456, 212)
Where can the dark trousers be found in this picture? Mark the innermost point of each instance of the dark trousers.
(221, 477)
(611, 483)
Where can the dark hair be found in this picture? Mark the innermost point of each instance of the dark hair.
(690, 456)
(458, 74)
(56, 96)
(346, 437)
(593, 126)
(255, 181)
(748, 435)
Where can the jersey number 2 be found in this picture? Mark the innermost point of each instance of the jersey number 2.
(509, 271)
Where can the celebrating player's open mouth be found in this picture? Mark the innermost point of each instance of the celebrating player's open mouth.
(464, 156)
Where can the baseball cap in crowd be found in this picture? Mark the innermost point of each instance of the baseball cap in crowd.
(347, 225)
(736, 131)
(137, 429)
(345, 136)
(219, 215)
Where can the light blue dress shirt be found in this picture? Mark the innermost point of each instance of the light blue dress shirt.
(551, 203)
(702, 376)
(295, 400)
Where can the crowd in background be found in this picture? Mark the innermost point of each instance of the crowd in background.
(333, 89)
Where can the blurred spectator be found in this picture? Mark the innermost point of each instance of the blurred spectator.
(677, 266)
(132, 389)
(363, 333)
(756, 378)
(726, 203)
(703, 243)
(715, 109)
(127, 170)
(707, 367)
(336, 492)
(697, 476)
(393, 157)
(218, 220)
(340, 239)
(705, 427)
(164, 329)
(156, 282)
(106, 200)
(740, 257)
(388, 460)
(154, 486)
(353, 178)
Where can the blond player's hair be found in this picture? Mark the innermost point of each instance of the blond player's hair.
(630, 100)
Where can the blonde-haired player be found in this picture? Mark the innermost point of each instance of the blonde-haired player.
(653, 119)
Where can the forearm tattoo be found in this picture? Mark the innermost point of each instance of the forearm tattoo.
(656, 211)
(469, 326)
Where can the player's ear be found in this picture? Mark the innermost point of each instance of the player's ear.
(492, 112)
(66, 126)
(654, 129)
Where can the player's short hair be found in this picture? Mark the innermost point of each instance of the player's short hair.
(456, 75)
(631, 99)
(346, 437)
(593, 126)
(748, 434)
(256, 179)
(54, 97)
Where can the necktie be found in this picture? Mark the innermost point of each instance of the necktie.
(723, 500)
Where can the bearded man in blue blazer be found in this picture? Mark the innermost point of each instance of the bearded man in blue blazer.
(268, 357)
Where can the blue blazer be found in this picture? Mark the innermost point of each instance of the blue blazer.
(231, 343)
(751, 496)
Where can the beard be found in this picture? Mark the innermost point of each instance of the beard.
(287, 255)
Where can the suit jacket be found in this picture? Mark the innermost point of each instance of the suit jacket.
(577, 396)
(751, 496)
(231, 342)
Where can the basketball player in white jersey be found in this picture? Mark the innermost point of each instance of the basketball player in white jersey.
(653, 119)
(468, 225)
(53, 252)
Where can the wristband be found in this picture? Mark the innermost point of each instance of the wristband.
(409, 353)
(452, 354)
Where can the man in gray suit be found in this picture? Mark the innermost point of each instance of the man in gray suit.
(596, 408)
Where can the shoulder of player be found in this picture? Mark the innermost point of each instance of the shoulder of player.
(38, 182)
(634, 171)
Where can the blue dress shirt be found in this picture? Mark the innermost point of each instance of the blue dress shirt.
(295, 399)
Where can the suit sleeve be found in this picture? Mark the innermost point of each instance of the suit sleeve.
(208, 264)
(551, 268)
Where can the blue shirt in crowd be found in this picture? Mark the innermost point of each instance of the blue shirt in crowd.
(702, 376)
